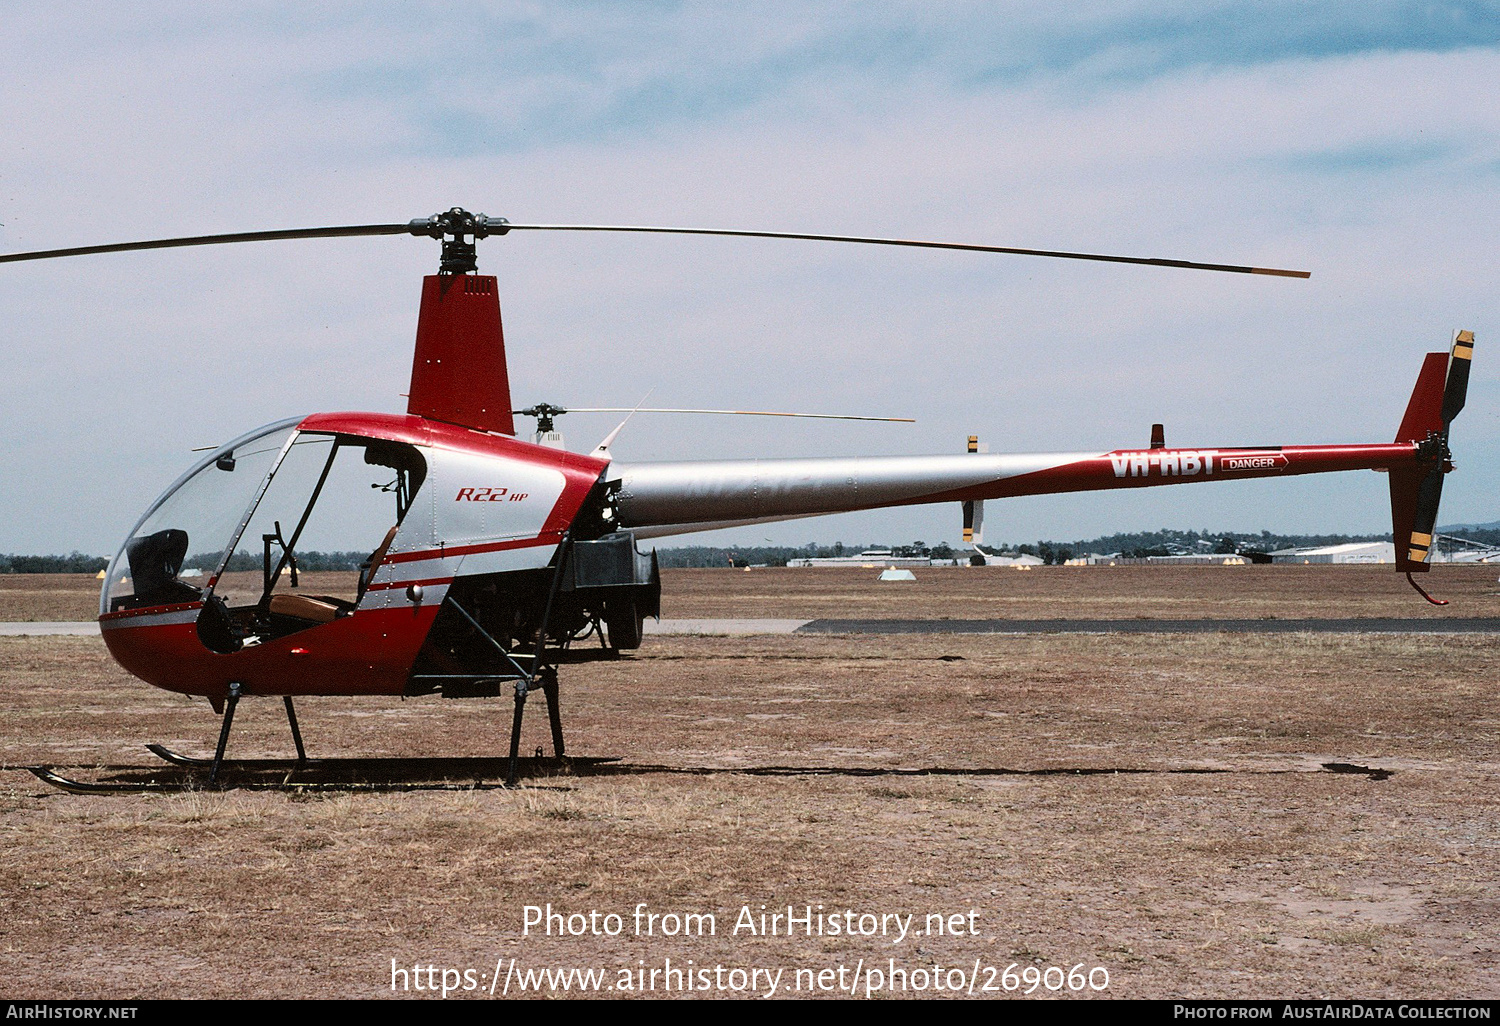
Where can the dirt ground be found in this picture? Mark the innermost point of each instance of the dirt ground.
(1082, 592)
(1200, 816)
(967, 593)
(32, 597)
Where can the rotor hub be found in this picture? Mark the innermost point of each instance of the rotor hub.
(458, 230)
(1434, 447)
(545, 414)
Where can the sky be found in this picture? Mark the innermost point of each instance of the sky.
(1360, 142)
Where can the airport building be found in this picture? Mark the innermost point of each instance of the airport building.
(870, 559)
(1351, 552)
(1185, 559)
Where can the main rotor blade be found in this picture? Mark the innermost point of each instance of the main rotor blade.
(1061, 254)
(738, 413)
(211, 240)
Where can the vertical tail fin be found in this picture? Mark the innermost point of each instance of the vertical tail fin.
(1424, 412)
(1441, 390)
(458, 373)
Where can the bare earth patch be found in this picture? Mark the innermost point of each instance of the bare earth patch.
(33, 597)
(1155, 805)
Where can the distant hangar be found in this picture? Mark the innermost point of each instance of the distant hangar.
(1349, 552)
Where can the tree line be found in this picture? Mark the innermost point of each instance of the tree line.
(1133, 544)
(1136, 544)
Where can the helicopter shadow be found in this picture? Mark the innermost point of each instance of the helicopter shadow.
(466, 774)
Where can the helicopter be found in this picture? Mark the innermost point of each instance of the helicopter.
(490, 559)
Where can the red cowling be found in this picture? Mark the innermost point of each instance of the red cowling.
(458, 374)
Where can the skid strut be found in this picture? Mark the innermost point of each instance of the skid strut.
(543, 672)
(291, 718)
(515, 732)
(236, 690)
(547, 677)
(549, 689)
(229, 706)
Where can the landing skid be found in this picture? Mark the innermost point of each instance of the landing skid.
(195, 762)
(323, 775)
(342, 774)
(47, 775)
(73, 786)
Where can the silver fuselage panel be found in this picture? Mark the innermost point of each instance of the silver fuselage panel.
(708, 494)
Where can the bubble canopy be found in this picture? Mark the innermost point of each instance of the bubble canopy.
(183, 540)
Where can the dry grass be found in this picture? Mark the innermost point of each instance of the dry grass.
(1266, 877)
(74, 597)
(977, 593)
(981, 593)
(32, 597)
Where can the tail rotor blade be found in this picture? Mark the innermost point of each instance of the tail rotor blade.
(1430, 493)
(1424, 524)
(1457, 388)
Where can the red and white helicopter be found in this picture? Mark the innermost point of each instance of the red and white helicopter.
(489, 556)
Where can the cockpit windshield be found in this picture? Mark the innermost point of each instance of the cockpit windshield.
(183, 539)
(275, 533)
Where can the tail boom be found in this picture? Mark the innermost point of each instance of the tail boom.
(663, 494)
(1147, 468)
